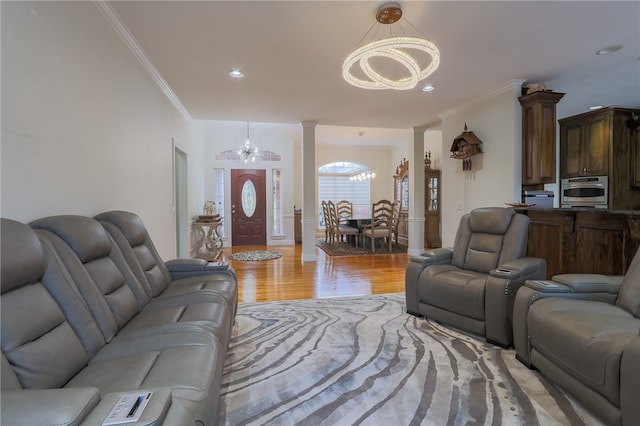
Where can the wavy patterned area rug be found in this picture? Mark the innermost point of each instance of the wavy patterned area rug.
(345, 249)
(352, 361)
(255, 255)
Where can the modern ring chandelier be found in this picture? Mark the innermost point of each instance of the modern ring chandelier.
(398, 49)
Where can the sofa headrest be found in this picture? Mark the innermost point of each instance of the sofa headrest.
(491, 220)
(130, 224)
(23, 259)
(86, 237)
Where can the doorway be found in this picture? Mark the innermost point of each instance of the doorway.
(180, 202)
(248, 207)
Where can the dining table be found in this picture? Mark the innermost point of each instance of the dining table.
(358, 223)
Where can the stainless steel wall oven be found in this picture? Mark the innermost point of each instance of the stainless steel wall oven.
(588, 191)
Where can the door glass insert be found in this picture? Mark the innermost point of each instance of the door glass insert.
(248, 198)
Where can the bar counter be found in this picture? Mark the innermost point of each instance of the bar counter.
(583, 240)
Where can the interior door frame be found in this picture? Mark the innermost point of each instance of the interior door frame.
(180, 200)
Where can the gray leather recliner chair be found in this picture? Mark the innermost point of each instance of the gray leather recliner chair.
(472, 286)
(582, 332)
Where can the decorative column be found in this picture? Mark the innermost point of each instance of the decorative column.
(309, 191)
(416, 194)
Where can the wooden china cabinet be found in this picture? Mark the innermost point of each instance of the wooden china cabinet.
(432, 179)
(401, 192)
(432, 237)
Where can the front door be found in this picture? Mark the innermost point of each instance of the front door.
(248, 207)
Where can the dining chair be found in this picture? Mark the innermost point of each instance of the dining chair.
(339, 231)
(381, 225)
(328, 225)
(345, 210)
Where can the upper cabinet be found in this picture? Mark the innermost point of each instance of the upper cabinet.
(604, 143)
(539, 137)
(585, 141)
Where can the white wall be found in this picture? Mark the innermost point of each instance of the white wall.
(84, 127)
(495, 175)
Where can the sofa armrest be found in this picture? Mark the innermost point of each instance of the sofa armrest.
(29, 407)
(438, 256)
(185, 268)
(500, 292)
(630, 382)
(590, 283)
(154, 414)
(519, 270)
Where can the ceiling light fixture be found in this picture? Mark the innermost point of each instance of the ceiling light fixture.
(609, 49)
(247, 153)
(428, 88)
(418, 55)
(236, 73)
(364, 174)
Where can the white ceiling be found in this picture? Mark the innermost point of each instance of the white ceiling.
(292, 52)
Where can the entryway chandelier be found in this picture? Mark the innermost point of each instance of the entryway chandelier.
(419, 56)
(248, 153)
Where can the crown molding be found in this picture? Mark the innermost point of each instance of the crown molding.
(121, 29)
(509, 86)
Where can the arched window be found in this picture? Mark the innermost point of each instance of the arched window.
(334, 185)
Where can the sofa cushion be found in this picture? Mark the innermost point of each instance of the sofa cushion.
(483, 252)
(37, 341)
(84, 235)
(152, 272)
(129, 233)
(584, 338)
(489, 237)
(490, 220)
(23, 259)
(454, 289)
(189, 361)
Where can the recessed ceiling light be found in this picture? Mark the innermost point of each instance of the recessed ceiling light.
(428, 88)
(595, 107)
(609, 49)
(236, 73)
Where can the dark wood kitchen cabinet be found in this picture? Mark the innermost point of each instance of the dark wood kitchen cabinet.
(539, 137)
(587, 241)
(601, 143)
(584, 144)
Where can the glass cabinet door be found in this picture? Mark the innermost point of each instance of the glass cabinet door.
(432, 201)
(405, 194)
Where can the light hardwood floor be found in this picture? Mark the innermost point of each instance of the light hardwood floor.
(287, 278)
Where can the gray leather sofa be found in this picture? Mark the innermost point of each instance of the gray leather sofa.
(472, 286)
(88, 318)
(581, 331)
